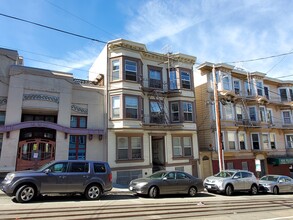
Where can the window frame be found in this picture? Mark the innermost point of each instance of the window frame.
(117, 71)
(125, 109)
(159, 70)
(239, 86)
(289, 146)
(255, 113)
(2, 116)
(245, 140)
(77, 146)
(112, 107)
(252, 142)
(171, 81)
(189, 73)
(78, 121)
(229, 135)
(182, 146)
(266, 92)
(284, 119)
(129, 147)
(263, 114)
(259, 88)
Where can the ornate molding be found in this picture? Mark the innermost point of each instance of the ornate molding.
(41, 97)
(79, 109)
(3, 100)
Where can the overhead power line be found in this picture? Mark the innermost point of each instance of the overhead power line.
(52, 28)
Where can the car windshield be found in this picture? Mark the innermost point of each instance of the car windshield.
(270, 178)
(44, 166)
(157, 175)
(224, 174)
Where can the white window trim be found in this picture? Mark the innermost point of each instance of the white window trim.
(259, 143)
(256, 115)
(276, 145)
(232, 110)
(268, 91)
(235, 140)
(240, 90)
(256, 87)
(265, 113)
(283, 121)
(269, 142)
(222, 75)
(287, 93)
(286, 145)
(245, 140)
(272, 118)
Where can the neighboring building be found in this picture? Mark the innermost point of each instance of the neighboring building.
(256, 120)
(47, 115)
(150, 110)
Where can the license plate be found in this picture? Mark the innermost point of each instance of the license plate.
(209, 186)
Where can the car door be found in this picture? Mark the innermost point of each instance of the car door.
(238, 182)
(78, 176)
(183, 182)
(168, 184)
(247, 180)
(284, 184)
(55, 178)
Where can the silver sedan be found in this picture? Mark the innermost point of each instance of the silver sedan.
(167, 182)
(276, 184)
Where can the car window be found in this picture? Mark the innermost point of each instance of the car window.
(246, 175)
(282, 180)
(238, 174)
(269, 178)
(59, 167)
(170, 175)
(225, 174)
(181, 176)
(77, 167)
(157, 175)
(99, 168)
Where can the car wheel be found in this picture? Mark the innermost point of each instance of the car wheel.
(93, 192)
(276, 190)
(25, 194)
(192, 191)
(229, 190)
(253, 190)
(153, 192)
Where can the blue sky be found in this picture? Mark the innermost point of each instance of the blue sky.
(212, 30)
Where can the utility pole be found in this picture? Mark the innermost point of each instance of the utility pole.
(218, 123)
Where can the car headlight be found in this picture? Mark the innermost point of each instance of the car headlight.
(141, 184)
(9, 177)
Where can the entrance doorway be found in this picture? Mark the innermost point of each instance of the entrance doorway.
(158, 153)
(34, 153)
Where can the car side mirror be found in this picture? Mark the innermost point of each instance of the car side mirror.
(164, 178)
(236, 177)
(46, 171)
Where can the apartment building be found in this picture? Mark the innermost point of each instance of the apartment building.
(256, 120)
(150, 110)
(47, 115)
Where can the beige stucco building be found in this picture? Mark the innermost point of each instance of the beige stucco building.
(47, 115)
(150, 110)
(256, 120)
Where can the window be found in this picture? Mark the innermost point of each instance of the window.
(185, 80)
(175, 112)
(270, 116)
(2, 118)
(1, 142)
(226, 82)
(129, 147)
(255, 141)
(228, 111)
(77, 147)
(99, 168)
(131, 107)
(115, 70)
(78, 122)
(259, 87)
(286, 117)
(188, 111)
(242, 140)
(247, 86)
(182, 146)
(155, 78)
(59, 167)
(173, 80)
(252, 113)
(273, 141)
(156, 112)
(230, 165)
(266, 90)
(265, 141)
(291, 94)
(283, 95)
(116, 107)
(244, 165)
(239, 112)
(262, 112)
(231, 140)
(289, 140)
(236, 87)
(79, 167)
(130, 70)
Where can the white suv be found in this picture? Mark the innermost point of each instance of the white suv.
(229, 181)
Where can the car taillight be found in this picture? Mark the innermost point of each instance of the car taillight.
(110, 177)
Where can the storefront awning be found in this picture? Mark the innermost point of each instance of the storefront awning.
(279, 161)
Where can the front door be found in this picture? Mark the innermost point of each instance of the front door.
(34, 153)
(158, 153)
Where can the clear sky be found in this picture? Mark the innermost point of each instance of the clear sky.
(212, 30)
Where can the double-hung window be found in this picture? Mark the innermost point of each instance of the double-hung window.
(115, 70)
(130, 70)
(231, 140)
(289, 140)
(175, 112)
(131, 107)
(116, 105)
(182, 146)
(273, 140)
(262, 112)
(239, 112)
(155, 78)
(173, 79)
(156, 112)
(236, 87)
(265, 141)
(255, 141)
(252, 113)
(226, 82)
(259, 88)
(286, 117)
(185, 80)
(228, 111)
(247, 86)
(270, 116)
(129, 147)
(188, 111)
(242, 140)
(267, 93)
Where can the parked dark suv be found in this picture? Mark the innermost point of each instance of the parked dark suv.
(91, 178)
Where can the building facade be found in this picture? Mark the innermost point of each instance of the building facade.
(256, 121)
(150, 108)
(46, 115)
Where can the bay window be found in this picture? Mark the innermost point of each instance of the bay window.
(188, 111)
(175, 112)
(185, 80)
(173, 79)
(131, 107)
(130, 70)
(115, 70)
(116, 105)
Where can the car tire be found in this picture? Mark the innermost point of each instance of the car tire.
(154, 192)
(25, 194)
(253, 190)
(192, 191)
(276, 190)
(93, 192)
(229, 190)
